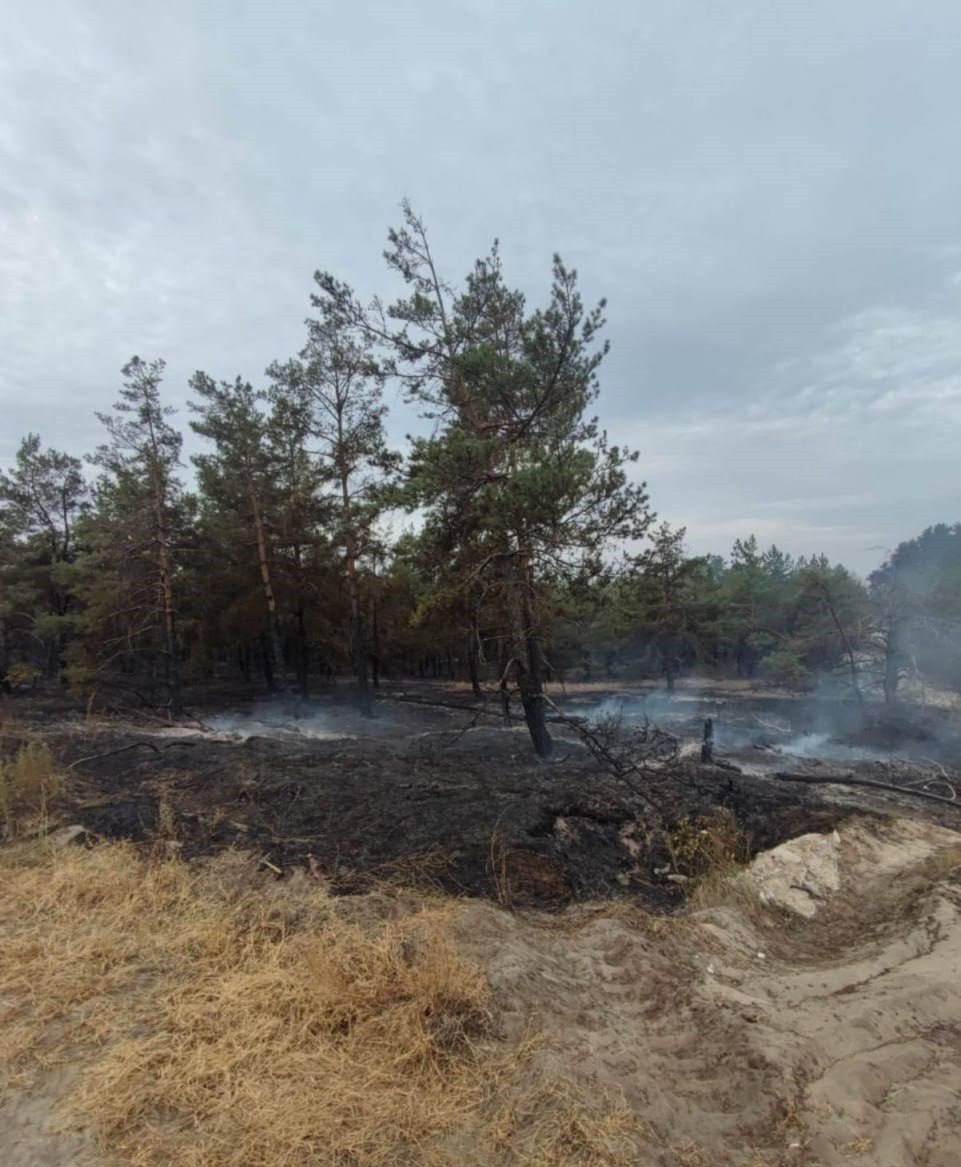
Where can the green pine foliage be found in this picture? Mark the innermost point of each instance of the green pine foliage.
(529, 554)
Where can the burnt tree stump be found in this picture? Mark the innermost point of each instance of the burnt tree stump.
(707, 745)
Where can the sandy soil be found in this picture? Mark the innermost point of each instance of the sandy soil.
(757, 1038)
(31, 1134)
(746, 1034)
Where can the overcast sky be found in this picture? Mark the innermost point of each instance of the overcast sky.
(768, 194)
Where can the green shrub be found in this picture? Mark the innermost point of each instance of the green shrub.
(23, 674)
(785, 667)
(28, 783)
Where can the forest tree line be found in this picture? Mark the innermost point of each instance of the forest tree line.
(534, 556)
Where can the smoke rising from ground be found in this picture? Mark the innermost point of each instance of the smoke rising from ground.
(290, 718)
(828, 725)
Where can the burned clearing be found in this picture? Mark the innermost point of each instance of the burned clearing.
(271, 971)
(437, 792)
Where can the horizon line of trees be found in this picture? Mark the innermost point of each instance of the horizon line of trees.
(279, 570)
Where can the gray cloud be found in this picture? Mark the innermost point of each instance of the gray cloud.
(767, 193)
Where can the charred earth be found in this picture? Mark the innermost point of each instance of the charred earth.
(437, 791)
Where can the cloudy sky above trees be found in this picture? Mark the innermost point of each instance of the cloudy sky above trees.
(768, 194)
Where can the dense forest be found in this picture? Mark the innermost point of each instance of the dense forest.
(285, 560)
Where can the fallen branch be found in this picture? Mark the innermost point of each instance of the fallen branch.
(850, 780)
(610, 747)
(112, 753)
(478, 710)
(136, 746)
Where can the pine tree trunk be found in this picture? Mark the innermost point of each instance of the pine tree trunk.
(159, 487)
(169, 618)
(845, 644)
(375, 663)
(891, 667)
(303, 652)
(270, 598)
(667, 659)
(473, 664)
(527, 654)
(359, 648)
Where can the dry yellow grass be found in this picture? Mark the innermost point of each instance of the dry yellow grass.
(727, 886)
(221, 1025)
(216, 1018)
(552, 1124)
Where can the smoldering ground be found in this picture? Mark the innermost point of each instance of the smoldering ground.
(436, 790)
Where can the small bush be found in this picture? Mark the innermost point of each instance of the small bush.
(784, 667)
(700, 844)
(28, 784)
(23, 675)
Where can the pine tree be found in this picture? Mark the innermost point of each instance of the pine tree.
(516, 467)
(671, 596)
(139, 506)
(238, 480)
(339, 385)
(41, 500)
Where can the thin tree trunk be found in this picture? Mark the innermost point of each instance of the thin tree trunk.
(527, 653)
(359, 648)
(473, 663)
(270, 598)
(359, 652)
(846, 644)
(707, 744)
(303, 651)
(375, 662)
(667, 658)
(169, 618)
(892, 669)
(169, 614)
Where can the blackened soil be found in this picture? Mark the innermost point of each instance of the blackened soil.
(471, 812)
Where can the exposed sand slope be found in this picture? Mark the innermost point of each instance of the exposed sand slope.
(757, 1039)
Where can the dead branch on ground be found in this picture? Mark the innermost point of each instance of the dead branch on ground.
(633, 755)
(851, 780)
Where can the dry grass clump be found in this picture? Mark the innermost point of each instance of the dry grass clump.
(943, 863)
(728, 886)
(699, 844)
(10, 724)
(223, 1024)
(552, 1124)
(28, 783)
(713, 852)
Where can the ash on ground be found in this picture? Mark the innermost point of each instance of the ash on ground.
(436, 791)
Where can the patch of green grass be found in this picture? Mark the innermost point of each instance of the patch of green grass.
(29, 782)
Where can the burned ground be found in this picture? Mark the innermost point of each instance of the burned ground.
(436, 795)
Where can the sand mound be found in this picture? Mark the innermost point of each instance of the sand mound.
(802, 874)
(763, 1037)
(799, 874)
